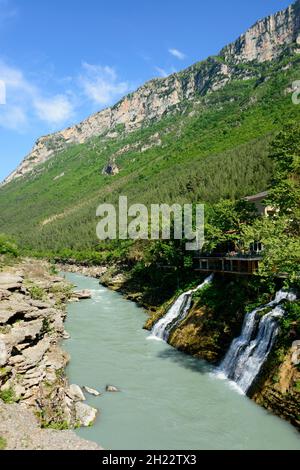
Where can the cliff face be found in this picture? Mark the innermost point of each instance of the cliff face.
(150, 102)
(262, 42)
(265, 40)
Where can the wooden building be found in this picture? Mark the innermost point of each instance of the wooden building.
(239, 264)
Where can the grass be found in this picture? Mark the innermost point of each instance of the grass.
(58, 426)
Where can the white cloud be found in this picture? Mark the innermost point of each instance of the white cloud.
(100, 84)
(178, 54)
(28, 104)
(14, 79)
(55, 110)
(25, 102)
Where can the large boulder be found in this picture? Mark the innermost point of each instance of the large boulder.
(85, 414)
(83, 294)
(75, 392)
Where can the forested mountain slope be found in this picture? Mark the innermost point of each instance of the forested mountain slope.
(199, 135)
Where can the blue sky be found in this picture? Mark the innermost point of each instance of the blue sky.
(62, 60)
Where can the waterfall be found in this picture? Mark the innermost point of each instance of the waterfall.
(177, 312)
(249, 351)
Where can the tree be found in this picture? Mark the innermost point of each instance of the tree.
(280, 232)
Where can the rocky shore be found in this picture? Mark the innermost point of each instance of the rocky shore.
(115, 277)
(33, 383)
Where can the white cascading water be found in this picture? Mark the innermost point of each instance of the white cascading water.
(177, 313)
(249, 351)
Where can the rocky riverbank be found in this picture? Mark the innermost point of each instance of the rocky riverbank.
(115, 277)
(33, 383)
(91, 271)
(278, 387)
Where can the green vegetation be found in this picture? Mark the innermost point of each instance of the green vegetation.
(8, 396)
(290, 323)
(4, 371)
(280, 232)
(3, 443)
(215, 149)
(58, 426)
(297, 386)
(7, 246)
(52, 419)
(37, 293)
(46, 328)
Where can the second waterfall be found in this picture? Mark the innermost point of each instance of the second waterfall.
(176, 313)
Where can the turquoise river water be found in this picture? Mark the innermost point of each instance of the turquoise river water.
(168, 400)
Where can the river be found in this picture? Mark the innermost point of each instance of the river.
(168, 400)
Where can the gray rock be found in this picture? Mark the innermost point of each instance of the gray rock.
(22, 332)
(31, 356)
(85, 414)
(39, 304)
(111, 388)
(11, 308)
(83, 294)
(22, 432)
(296, 358)
(10, 281)
(91, 391)
(57, 279)
(4, 294)
(75, 392)
(3, 353)
(296, 353)
(66, 335)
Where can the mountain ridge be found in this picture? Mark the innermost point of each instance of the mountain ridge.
(262, 42)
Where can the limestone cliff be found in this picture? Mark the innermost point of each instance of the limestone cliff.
(265, 40)
(262, 42)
